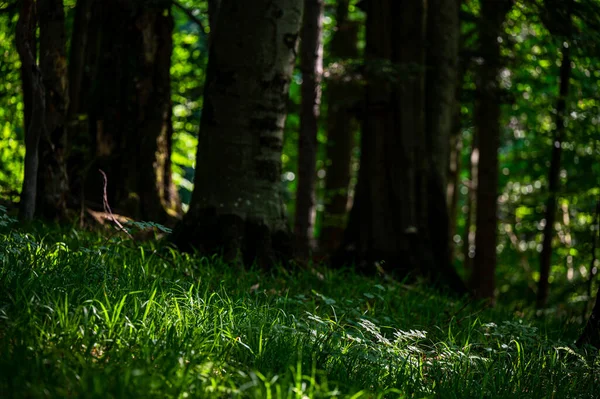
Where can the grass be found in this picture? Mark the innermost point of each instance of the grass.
(86, 316)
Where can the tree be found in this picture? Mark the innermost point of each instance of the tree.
(591, 332)
(441, 84)
(487, 126)
(127, 101)
(399, 214)
(559, 25)
(236, 207)
(343, 97)
(53, 182)
(35, 105)
(311, 66)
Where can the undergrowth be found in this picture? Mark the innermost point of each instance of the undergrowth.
(82, 315)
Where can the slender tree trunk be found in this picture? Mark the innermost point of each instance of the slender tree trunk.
(311, 65)
(32, 79)
(554, 179)
(53, 185)
(487, 124)
(237, 207)
(400, 199)
(469, 236)
(453, 183)
(343, 95)
(456, 149)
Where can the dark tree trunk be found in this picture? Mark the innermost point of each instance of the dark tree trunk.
(32, 80)
(443, 36)
(129, 108)
(53, 184)
(81, 68)
(591, 332)
(343, 95)
(441, 81)
(487, 125)
(213, 15)
(311, 66)
(237, 207)
(79, 43)
(554, 179)
(400, 201)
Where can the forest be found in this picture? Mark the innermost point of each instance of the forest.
(300, 198)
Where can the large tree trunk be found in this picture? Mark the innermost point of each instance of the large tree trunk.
(79, 43)
(34, 121)
(343, 94)
(53, 185)
(487, 125)
(555, 159)
(213, 14)
(443, 37)
(237, 207)
(311, 66)
(80, 71)
(129, 107)
(400, 203)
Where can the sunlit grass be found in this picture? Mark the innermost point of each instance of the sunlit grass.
(87, 316)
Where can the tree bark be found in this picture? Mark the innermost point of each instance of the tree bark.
(237, 206)
(129, 108)
(343, 95)
(591, 332)
(79, 43)
(487, 125)
(32, 80)
(213, 15)
(554, 179)
(400, 201)
(81, 68)
(53, 184)
(311, 66)
(443, 37)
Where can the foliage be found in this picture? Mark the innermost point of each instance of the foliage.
(12, 151)
(82, 314)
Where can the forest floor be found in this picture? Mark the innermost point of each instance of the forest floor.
(82, 315)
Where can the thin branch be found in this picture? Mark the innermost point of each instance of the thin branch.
(190, 15)
(107, 209)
